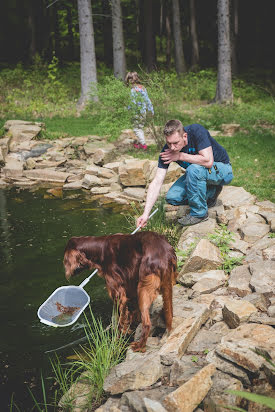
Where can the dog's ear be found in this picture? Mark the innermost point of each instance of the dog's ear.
(74, 260)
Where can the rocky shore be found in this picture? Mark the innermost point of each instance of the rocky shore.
(223, 333)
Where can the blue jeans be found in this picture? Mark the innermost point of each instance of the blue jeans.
(197, 185)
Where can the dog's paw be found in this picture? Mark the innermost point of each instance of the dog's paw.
(138, 347)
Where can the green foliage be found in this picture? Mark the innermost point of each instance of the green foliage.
(222, 238)
(253, 397)
(182, 255)
(194, 359)
(105, 349)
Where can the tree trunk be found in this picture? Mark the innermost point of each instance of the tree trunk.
(224, 82)
(70, 31)
(107, 33)
(87, 53)
(118, 41)
(234, 35)
(179, 56)
(32, 26)
(168, 40)
(150, 51)
(194, 37)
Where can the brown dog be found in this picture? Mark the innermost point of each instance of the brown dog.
(136, 269)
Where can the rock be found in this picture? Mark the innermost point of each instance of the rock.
(135, 400)
(133, 173)
(103, 155)
(259, 300)
(204, 341)
(112, 166)
(78, 395)
(190, 278)
(174, 173)
(217, 398)
(105, 173)
(92, 170)
(252, 232)
(271, 311)
(263, 277)
(229, 129)
(269, 253)
(183, 369)
(153, 406)
(76, 185)
(252, 337)
(46, 175)
(232, 197)
(239, 245)
(24, 183)
(262, 318)
(180, 337)
(21, 134)
(13, 168)
(135, 192)
(112, 405)
(100, 190)
(90, 181)
(30, 164)
(239, 281)
(237, 311)
(56, 192)
(228, 367)
(210, 281)
(188, 396)
(206, 256)
(136, 374)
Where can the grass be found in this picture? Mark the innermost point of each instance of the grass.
(90, 365)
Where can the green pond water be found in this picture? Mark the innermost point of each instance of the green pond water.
(33, 233)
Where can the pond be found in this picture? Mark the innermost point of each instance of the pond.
(34, 230)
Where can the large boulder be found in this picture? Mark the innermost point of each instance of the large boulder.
(21, 133)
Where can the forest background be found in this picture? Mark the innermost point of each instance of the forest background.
(40, 72)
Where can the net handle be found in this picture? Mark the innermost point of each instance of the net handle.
(85, 281)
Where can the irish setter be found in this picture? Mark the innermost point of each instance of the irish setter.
(136, 269)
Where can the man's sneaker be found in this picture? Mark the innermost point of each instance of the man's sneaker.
(189, 220)
(211, 202)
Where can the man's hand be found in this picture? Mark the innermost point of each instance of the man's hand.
(169, 156)
(142, 220)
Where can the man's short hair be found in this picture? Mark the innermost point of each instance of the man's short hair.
(173, 126)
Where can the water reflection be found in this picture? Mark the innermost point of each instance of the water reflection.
(34, 232)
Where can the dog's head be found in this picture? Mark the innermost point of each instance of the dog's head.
(74, 262)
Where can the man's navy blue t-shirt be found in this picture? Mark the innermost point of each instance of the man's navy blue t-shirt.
(198, 139)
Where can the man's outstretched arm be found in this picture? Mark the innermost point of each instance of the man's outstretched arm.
(152, 195)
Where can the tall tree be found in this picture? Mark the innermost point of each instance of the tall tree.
(107, 33)
(194, 37)
(149, 38)
(118, 41)
(234, 35)
(179, 56)
(87, 52)
(224, 83)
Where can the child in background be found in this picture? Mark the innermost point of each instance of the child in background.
(140, 104)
